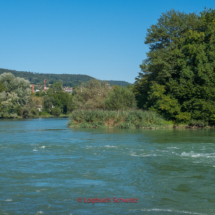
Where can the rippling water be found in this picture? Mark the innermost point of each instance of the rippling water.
(45, 166)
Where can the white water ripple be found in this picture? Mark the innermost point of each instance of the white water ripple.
(195, 155)
(168, 210)
(8, 200)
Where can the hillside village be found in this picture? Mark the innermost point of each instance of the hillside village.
(39, 88)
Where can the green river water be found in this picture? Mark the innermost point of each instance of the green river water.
(46, 166)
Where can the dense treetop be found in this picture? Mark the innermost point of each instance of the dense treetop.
(178, 76)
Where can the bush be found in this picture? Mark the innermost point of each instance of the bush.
(56, 111)
(35, 112)
(120, 99)
(26, 112)
(45, 113)
(121, 119)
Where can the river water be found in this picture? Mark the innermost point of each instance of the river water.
(46, 166)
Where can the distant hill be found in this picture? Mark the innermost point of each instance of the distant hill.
(67, 79)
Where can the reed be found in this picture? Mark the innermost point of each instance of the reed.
(121, 119)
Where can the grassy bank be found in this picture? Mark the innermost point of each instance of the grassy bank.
(120, 119)
(46, 115)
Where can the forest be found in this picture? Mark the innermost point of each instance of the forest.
(68, 80)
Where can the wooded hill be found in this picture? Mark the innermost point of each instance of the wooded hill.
(70, 80)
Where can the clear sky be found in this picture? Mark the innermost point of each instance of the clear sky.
(100, 38)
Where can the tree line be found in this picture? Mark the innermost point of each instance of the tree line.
(69, 80)
(16, 98)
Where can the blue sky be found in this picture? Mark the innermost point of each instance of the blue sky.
(100, 38)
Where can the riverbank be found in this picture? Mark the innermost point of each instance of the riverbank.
(40, 116)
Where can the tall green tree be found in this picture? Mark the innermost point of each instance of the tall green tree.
(178, 76)
(15, 94)
(63, 101)
(57, 86)
(48, 103)
(120, 98)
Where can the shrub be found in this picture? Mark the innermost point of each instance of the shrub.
(56, 111)
(34, 112)
(121, 119)
(120, 99)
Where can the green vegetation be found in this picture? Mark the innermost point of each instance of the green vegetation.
(55, 87)
(16, 99)
(56, 111)
(2, 88)
(99, 105)
(96, 95)
(120, 99)
(178, 76)
(91, 96)
(70, 80)
(120, 119)
(48, 103)
(60, 100)
(14, 95)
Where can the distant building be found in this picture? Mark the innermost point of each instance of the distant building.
(68, 89)
(39, 107)
(108, 85)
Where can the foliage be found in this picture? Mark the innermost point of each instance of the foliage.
(40, 94)
(16, 99)
(178, 78)
(15, 95)
(2, 88)
(30, 109)
(56, 111)
(44, 113)
(120, 119)
(57, 86)
(16, 85)
(62, 100)
(120, 98)
(91, 96)
(96, 95)
(9, 104)
(48, 103)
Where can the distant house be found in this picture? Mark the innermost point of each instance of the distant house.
(37, 91)
(68, 89)
(39, 107)
(108, 85)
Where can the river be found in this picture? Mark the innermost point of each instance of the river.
(48, 168)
